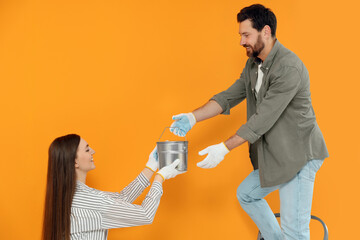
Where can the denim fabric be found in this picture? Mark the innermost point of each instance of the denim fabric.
(295, 204)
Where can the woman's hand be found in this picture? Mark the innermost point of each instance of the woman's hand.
(170, 171)
(153, 162)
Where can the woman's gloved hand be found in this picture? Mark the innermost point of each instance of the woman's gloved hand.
(183, 123)
(215, 154)
(153, 162)
(170, 171)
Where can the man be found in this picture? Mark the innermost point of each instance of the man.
(285, 143)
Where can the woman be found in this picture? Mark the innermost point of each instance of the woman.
(75, 211)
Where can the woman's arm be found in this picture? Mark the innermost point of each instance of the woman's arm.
(148, 174)
(118, 214)
(135, 188)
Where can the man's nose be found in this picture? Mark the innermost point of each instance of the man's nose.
(242, 42)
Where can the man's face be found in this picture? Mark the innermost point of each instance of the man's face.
(251, 39)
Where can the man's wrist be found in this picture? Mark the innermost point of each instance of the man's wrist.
(193, 120)
(226, 148)
(234, 142)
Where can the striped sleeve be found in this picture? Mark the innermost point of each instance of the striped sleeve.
(118, 214)
(131, 191)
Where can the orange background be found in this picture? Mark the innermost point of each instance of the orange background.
(116, 71)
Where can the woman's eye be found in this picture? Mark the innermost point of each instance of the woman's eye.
(87, 150)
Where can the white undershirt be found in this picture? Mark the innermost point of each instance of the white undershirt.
(259, 79)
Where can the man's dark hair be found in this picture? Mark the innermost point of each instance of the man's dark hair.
(259, 16)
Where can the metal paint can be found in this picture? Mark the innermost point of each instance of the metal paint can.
(169, 151)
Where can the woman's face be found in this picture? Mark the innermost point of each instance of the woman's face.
(84, 158)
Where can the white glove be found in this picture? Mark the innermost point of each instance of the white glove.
(153, 162)
(170, 171)
(216, 154)
(183, 123)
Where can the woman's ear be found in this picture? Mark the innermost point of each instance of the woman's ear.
(76, 164)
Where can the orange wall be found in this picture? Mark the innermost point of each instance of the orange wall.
(116, 71)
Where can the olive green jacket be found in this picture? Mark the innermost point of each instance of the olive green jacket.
(281, 127)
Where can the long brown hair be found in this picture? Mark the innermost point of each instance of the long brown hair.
(60, 187)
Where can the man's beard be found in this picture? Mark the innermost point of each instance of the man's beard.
(256, 50)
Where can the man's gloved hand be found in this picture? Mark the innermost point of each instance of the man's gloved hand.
(153, 162)
(170, 171)
(216, 154)
(183, 123)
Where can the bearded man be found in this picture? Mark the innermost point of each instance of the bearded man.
(286, 145)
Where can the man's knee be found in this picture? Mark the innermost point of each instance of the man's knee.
(242, 195)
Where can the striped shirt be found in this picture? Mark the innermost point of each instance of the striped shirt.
(93, 212)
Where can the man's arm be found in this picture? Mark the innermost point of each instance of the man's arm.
(185, 121)
(234, 142)
(208, 110)
(212, 109)
(278, 97)
(219, 103)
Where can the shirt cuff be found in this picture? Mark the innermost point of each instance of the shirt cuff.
(224, 104)
(143, 180)
(157, 186)
(247, 134)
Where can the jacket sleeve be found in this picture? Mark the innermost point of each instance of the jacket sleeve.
(282, 90)
(235, 94)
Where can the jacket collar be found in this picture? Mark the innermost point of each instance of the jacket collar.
(269, 59)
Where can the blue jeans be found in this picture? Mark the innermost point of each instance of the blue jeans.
(295, 204)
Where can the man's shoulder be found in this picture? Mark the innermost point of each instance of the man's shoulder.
(287, 58)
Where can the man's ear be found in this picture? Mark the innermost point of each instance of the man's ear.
(267, 31)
